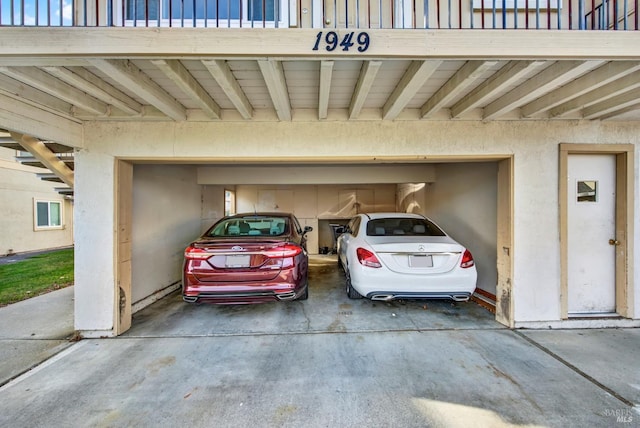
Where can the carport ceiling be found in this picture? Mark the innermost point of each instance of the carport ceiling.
(228, 89)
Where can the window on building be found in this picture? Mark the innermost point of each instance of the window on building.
(47, 214)
(230, 12)
(229, 202)
(512, 4)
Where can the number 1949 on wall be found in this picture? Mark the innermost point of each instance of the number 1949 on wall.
(331, 41)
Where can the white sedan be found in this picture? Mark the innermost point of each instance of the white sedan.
(388, 256)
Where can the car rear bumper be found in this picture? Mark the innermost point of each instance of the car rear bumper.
(289, 284)
(239, 298)
(377, 284)
(237, 294)
(462, 296)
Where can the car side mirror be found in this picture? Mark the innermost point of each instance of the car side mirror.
(340, 230)
(307, 229)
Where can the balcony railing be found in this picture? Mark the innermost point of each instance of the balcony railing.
(371, 14)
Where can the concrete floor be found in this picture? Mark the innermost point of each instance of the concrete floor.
(332, 362)
(34, 330)
(327, 310)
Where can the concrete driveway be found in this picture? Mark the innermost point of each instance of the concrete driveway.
(332, 362)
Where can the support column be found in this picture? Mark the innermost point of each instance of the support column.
(95, 244)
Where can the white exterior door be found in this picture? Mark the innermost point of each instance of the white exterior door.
(591, 234)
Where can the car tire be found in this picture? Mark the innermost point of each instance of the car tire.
(305, 295)
(351, 292)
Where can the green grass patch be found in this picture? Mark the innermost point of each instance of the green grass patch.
(36, 275)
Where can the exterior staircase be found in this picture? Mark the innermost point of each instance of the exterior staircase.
(57, 158)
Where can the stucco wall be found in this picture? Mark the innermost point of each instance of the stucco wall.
(167, 206)
(534, 146)
(19, 186)
(463, 201)
(212, 205)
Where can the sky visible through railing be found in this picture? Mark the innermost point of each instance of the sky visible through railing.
(516, 14)
(36, 12)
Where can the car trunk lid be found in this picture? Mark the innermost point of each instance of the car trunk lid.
(238, 260)
(417, 254)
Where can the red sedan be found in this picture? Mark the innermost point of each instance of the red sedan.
(248, 258)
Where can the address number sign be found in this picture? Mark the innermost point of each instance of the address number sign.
(331, 41)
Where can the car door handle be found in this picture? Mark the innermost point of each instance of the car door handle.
(614, 242)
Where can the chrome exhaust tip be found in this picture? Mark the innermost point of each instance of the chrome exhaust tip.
(460, 298)
(286, 296)
(382, 297)
(190, 299)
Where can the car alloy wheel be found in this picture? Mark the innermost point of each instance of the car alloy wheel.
(351, 292)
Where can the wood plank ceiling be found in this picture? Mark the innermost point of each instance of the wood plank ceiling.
(341, 89)
(160, 89)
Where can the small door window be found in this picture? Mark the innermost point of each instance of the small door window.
(587, 191)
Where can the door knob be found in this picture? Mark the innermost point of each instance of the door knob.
(614, 242)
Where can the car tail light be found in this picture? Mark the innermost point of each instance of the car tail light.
(193, 253)
(283, 251)
(367, 258)
(467, 260)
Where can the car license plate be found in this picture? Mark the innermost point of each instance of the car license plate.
(238, 261)
(421, 261)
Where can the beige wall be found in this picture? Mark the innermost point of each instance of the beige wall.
(317, 205)
(19, 186)
(167, 211)
(212, 205)
(463, 201)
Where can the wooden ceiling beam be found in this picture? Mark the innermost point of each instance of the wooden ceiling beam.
(132, 78)
(45, 82)
(273, 74)
(96, 87)
(610, 90)
(34, 97)
(550, 78)
(367, 76)
(223, 75)
(178, 73)
(19, 116)
(616, 113)
(458, 83)
(326, 71)
(412, 80)
(506, 76)
(590, 81)
(628, 99)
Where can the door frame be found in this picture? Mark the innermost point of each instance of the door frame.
(624, 154)
(123, 219)
(504, 309)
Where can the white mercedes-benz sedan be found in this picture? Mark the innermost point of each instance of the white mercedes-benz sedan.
(388, 256)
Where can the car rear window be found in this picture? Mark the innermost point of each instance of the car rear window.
(250, 226)
(402, 226)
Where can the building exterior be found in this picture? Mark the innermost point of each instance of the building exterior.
(33, 215)
(514, 125)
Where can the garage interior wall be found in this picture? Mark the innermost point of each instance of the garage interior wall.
(167, 211)
(463, 201)
(317, 206)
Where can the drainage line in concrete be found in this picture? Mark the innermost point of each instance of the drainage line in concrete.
(576, 369)
(295, 333)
